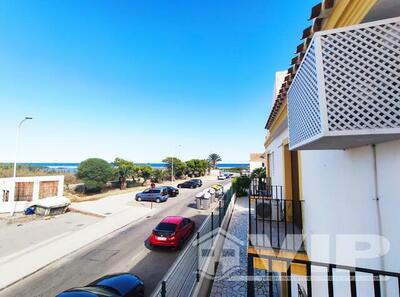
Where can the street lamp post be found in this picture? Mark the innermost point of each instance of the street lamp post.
(15, 164)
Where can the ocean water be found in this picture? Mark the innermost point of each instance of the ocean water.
(71, 167)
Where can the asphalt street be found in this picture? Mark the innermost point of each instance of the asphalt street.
(121, 251)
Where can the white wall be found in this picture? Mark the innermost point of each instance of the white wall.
(255, 165)
(339, 194)
(8, 184)
(276, 159)
(388, 167)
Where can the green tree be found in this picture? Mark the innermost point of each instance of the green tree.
(214, 159)
(123, 169)
(145, 172)
(259, 173)
(95, 173)
(158, 175)
(179, 166)
(240, 185)
(196, 167)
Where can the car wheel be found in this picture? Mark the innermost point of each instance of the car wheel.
(158, 200)
(192, 187)
(139, 199)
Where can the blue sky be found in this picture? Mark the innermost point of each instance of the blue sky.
(136, 78)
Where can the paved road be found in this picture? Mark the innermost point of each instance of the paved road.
(124, 250)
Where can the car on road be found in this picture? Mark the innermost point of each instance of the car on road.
(172, 191)
(114, 285)
(159, 194)
(188, 184)
(172, 231)
(221, 177)
(198, 181)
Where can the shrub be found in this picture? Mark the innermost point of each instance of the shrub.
(95, 173)
(240, 185)
(259, 173)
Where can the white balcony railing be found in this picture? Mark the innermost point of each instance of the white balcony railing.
(346, 92)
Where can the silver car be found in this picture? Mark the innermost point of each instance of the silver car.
(159, 194)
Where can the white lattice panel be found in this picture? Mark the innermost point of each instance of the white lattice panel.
(362, 77)
(304, 113)
(346, 92)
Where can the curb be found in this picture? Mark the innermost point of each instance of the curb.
(73, 251)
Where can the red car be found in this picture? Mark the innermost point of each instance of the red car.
(172, 232)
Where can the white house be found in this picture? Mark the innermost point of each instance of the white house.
(28, 189)
(333, 135)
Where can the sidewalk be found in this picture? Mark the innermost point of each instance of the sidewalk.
(14, 267)
(234, 283)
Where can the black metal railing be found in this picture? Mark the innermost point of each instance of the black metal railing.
(328, 279)
(273, 221)
(185, 272)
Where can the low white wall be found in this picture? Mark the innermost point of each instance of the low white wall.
(7, 184)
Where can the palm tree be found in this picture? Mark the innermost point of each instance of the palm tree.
(213, 159)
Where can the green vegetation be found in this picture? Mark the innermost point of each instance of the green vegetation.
(6, 170)
(240, 185)
(179, 166)
(214, 159)
(259, 173)
(145, 172)
(236, 169)
(123, 169)
(95, 173)
(196, 167)
(158, 175)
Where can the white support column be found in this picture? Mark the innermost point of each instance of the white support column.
(60, 191)
(36, 190)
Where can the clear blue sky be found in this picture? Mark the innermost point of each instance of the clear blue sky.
(135, 78)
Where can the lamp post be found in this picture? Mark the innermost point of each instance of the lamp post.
(15, 164)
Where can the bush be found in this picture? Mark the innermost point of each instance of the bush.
(95, 173)
(240, 185)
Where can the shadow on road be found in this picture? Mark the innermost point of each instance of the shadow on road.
(153, 267)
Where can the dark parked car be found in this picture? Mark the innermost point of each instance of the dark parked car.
(198, 181)
(172, 191)
(188, 184)
(159, 194)
(114, 285)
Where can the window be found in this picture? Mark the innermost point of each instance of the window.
(166, 227)
(23, 191)
(48, 189)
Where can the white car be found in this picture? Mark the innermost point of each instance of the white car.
(221, 177)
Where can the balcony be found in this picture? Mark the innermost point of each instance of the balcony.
(346, 92)
(274, 222)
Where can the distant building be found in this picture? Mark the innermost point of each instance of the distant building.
(28, 189)
(256, 161)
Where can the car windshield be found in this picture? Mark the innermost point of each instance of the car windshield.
(169, 227)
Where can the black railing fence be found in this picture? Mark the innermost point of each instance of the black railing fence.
(334, 279)
(277, 223)
(185, 272)
(274, 221)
